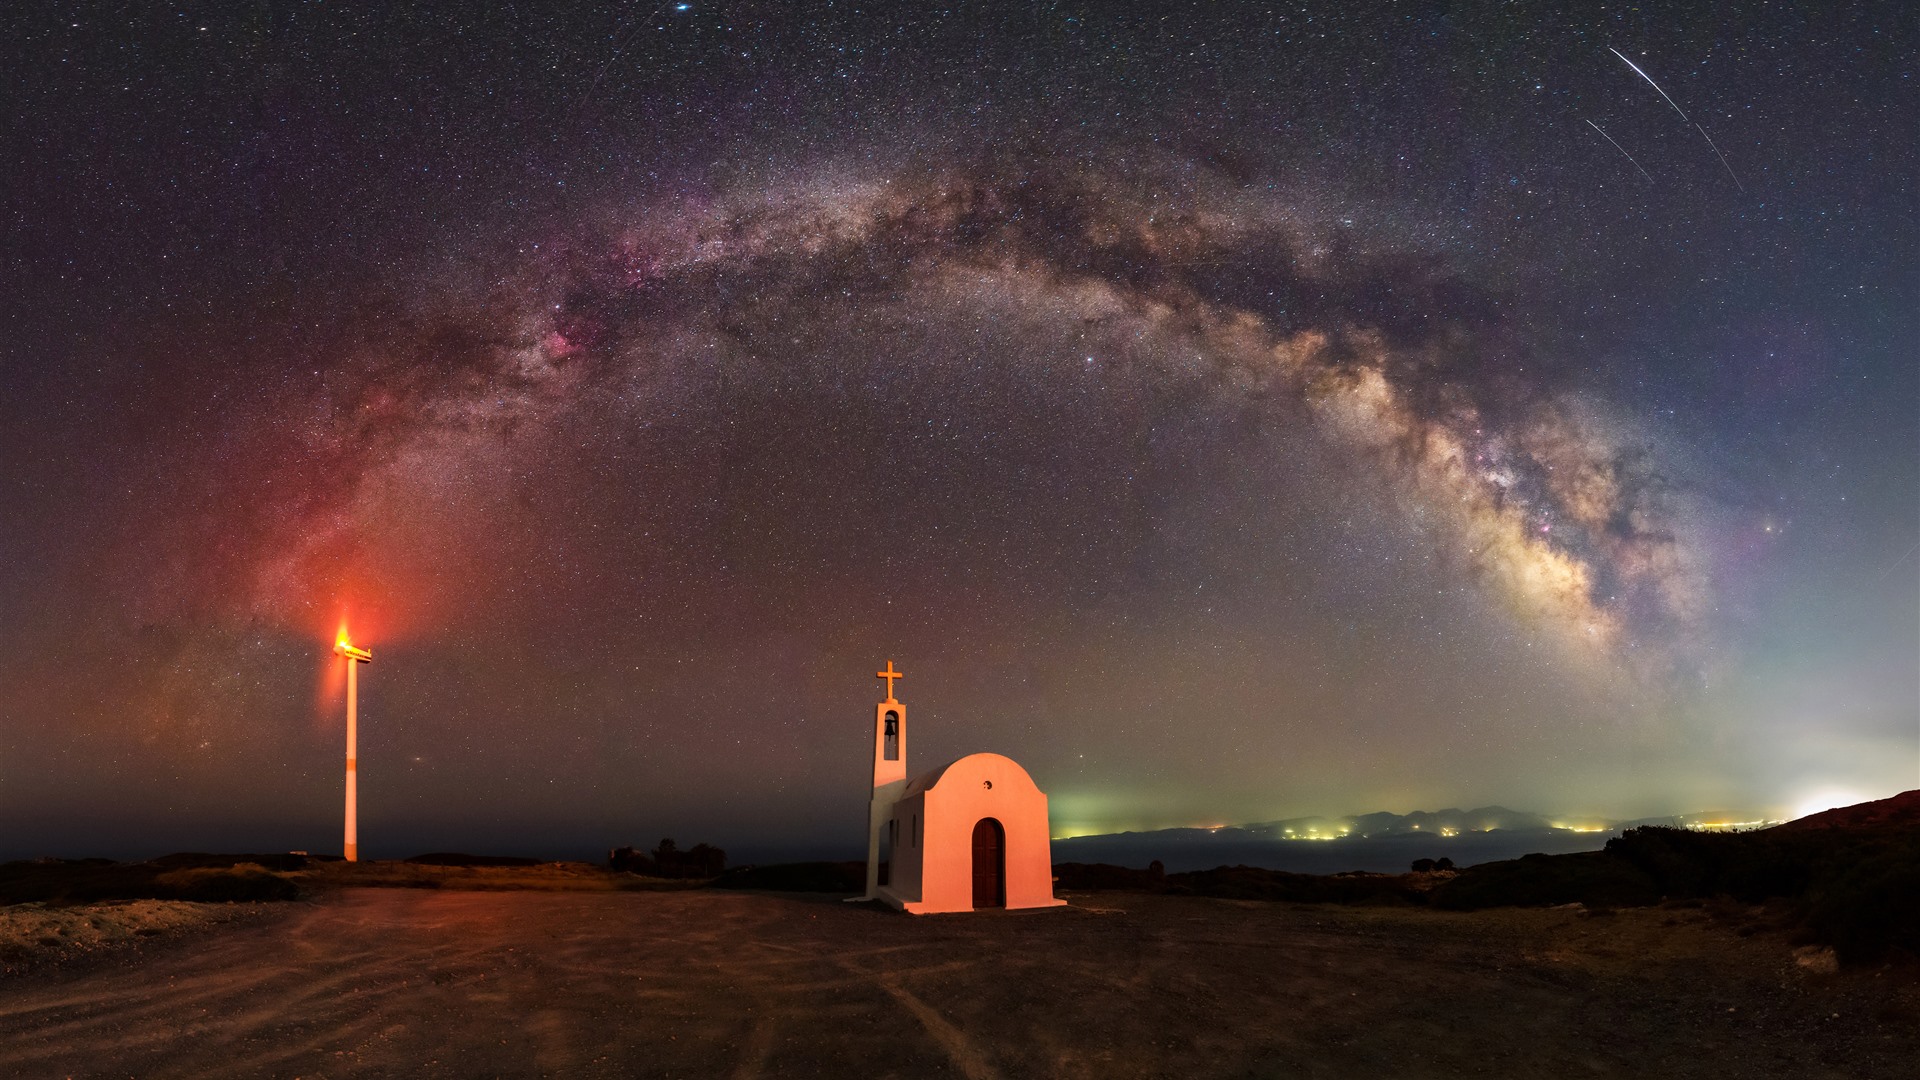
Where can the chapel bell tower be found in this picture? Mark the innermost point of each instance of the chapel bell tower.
(889, 774)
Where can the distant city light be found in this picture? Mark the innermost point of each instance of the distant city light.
(1729, 826)
(1825, 799)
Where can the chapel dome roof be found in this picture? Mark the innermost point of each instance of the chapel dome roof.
(997, 767)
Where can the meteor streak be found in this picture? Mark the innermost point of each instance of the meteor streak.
(1650, 82)
(1722, 157)
(1623, 151)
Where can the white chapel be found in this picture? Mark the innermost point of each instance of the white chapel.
(970, 834)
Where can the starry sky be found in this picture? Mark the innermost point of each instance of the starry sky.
(1230, 411)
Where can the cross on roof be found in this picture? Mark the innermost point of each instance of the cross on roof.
(889, 675)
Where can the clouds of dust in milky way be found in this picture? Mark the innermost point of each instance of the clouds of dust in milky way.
(1405, 365)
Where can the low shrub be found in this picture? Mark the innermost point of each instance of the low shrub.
(1092, 876)
(186, 876)
(1254, 883)
(454, 858)
(1870, 907)
(668, 861)
(827, 877)
(244, 882)
(277, 861)
(1593, 878)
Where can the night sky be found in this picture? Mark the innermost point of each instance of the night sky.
(1230, 412)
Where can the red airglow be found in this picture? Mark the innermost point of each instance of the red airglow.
(356, 617)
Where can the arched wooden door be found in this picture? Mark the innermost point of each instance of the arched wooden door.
(989, 864)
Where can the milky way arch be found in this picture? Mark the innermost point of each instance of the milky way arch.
(1403, 364)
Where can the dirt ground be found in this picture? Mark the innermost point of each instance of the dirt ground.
(424, 982)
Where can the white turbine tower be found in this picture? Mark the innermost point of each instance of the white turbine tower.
(355, 657)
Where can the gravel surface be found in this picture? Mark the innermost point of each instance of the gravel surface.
(426, 982)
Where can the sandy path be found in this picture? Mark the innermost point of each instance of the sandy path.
(385, 982)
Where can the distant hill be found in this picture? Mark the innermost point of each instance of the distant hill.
(1481, 819)
(1378, 842)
